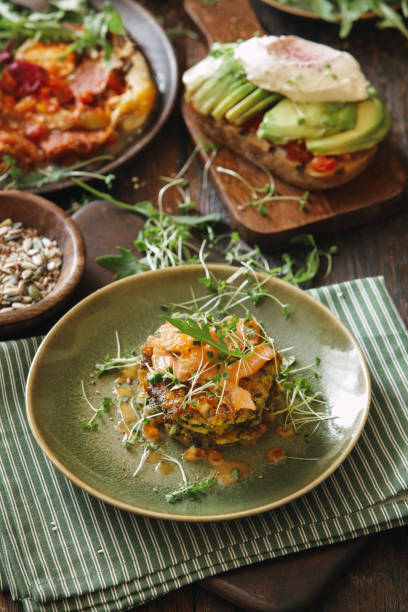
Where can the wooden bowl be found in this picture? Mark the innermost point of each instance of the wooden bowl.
(52, 222)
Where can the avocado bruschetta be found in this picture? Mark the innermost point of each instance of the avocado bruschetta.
(300, 109)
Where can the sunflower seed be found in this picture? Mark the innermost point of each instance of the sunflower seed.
(30, 265)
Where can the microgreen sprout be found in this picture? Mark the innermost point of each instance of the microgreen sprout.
(145, 454)
(135, 431)
(191, 491)
(225, 296)
(259, 196)
(97, 412)
(177, 462)
(171, 240)
(303, 405)
(115, 363)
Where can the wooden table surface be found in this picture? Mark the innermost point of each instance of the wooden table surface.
(378, 578)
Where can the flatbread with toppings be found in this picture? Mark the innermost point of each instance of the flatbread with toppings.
(63, 100)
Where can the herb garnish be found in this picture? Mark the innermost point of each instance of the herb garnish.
(15, 178)
(169, 240)
(115, 363)
(192, 490)
(234, 473)
(347, 12)
(262, 195)
(201, 330)
(19, 24)
(173, 240)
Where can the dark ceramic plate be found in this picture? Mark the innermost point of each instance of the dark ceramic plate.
(144, 30)
(93, 459)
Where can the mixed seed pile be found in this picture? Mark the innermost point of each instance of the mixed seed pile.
(29, 265)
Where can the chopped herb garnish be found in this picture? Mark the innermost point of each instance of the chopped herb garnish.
(234, 473)
(107, 404)
(191, 491)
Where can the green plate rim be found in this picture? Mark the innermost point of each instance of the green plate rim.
(30, 403)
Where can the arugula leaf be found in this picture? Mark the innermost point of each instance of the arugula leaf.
(350, 12)
(390, 17)
(51, 25)
(50, 174)
(124, 264)
(200, 330)
(347, 12)
(97, 26)
(324, 8)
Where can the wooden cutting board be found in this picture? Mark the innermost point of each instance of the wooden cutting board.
(374, 194)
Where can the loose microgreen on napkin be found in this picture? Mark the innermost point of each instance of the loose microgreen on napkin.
(62, 549)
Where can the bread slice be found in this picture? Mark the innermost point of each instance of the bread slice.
(273, 157)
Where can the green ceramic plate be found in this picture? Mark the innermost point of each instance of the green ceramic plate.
(94, 460)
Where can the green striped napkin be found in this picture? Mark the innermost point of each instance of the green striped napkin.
(61, 549)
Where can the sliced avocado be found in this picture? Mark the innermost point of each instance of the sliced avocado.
(371, 115)
(228, 71)
(290, 120)
(381, 133)
(222, 90)
(251, 106)
(229, 100)
(338, 116)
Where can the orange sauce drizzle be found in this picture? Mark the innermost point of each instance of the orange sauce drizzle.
(223, 467)
(276, 455)
(283, 432)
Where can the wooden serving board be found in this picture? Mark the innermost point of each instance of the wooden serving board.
(372, 195)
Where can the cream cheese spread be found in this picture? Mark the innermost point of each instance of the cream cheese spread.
(302, 70)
